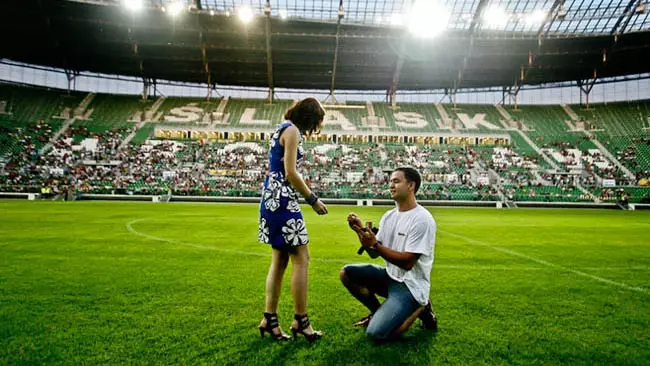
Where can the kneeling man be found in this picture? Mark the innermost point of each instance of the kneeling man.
(406, 241)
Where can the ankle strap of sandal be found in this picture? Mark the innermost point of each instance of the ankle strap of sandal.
(303, 320)
(271, 320)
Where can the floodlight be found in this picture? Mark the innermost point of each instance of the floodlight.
(245, 14)
(283, 13)
(133, 5)
(396, 19)
(175, 8)
(428, 19)
(536, 17)
(211, 12)
(495, 17)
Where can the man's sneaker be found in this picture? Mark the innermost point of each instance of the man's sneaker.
(428, 318)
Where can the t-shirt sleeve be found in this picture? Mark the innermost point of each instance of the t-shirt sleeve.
(421, 236)
(380, 234)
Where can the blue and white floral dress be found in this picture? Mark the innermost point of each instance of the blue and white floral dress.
(281, 222)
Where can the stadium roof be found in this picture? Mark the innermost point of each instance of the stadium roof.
(582, 16)
(574, 40)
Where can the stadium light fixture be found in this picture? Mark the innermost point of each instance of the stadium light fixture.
(428, 19)
(283, 13)
(211, 12)
(175, 8)
(536, 17)
(495, 17)
(245, 14)
(396, 19)
(133, 5)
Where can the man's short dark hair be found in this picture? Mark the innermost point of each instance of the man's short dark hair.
(411, 175)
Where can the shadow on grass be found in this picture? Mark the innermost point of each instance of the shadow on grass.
(356, 348)
(348, 346)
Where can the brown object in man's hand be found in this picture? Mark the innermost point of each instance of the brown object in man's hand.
(354, 220)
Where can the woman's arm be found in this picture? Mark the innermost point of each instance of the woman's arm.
(289, 140)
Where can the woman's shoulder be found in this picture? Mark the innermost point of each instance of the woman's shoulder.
(283, 126)
(288, 126)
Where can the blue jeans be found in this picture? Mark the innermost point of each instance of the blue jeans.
(399, 304)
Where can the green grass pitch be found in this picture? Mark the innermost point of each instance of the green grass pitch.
(145, 283)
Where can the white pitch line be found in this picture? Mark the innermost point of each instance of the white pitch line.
(129, 227)
(549, 264)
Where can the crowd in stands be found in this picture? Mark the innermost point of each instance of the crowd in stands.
(94, 162)
(21, 163)
(631, 158)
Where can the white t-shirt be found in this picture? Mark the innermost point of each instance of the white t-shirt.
(411, 231)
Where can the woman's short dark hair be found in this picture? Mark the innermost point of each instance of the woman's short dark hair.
(411, 175)
(307, 115)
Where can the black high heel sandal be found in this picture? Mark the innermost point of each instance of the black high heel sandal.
(272, 323)
(303, 323)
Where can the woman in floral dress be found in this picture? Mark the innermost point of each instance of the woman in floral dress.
(281, 222)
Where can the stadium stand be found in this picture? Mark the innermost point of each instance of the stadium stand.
(89, 155)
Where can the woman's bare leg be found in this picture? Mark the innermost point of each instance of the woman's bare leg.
(279, 262)
(299, 282)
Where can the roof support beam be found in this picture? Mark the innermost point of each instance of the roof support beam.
(206, 68)
(473, 27)
(476, 19)
(341, 14)
(542, 34)
(548, 21)
(136, 51)
(629, 11)
(204, 55)
(56, 44)
(392, 92)
(148, 84)
(586, 86)
(616, 32)
(269, 57)
(71, 76)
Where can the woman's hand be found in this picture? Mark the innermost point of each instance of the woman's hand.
(319, 207)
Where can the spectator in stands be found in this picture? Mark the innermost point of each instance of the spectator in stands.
(281, 221)
(623, 198)
(405, 240)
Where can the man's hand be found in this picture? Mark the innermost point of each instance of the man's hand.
(354, 220)
(366, 236)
